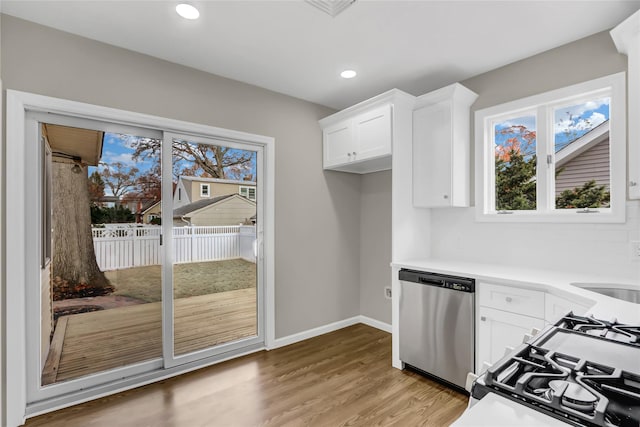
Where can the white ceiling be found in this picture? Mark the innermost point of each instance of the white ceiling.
(296, 49)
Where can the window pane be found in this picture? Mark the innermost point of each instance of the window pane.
(515, 163)
(581, 142)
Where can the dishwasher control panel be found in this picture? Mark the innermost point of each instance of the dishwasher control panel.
(464, 287)
(462, 284)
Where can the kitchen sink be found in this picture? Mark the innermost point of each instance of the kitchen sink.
(627, 293)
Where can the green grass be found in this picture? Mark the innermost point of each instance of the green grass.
(192, 279)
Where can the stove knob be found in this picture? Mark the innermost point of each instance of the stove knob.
(508, 350)
(526, 338)
(486, 366)
(534, 332)
(471, 377)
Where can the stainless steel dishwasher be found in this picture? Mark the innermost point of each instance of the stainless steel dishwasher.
(437, 327)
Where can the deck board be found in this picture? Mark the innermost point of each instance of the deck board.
(102, 340)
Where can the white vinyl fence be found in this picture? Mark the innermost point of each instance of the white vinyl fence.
(126, 247)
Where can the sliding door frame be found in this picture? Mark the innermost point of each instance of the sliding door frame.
(19, 261)
(171, 359)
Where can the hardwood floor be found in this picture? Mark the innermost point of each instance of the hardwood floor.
(338, 379)
(92, 342)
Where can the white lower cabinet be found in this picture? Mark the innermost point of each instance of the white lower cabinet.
(499, 329)
(505, 315)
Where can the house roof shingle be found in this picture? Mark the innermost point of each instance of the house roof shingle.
(187, 209)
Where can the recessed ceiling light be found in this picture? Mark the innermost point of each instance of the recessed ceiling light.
(187, 11)
(348, 74)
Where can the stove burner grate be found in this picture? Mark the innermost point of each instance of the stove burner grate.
(612, 330)
(568, 387)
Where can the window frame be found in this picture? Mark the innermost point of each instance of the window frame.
(544, 105)
(248, 188)
(202, 187)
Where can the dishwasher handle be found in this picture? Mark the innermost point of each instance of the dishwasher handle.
(432, 282)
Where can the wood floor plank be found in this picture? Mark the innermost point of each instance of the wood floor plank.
(343, 378)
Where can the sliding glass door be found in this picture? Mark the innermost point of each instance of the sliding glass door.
(147, 253)
(212, 300)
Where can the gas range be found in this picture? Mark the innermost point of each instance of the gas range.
(582, 370)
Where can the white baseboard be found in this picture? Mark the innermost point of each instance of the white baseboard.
(325, 329)
(375, 323)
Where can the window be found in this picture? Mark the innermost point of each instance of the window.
(248, 192)
(557, 157)
(204, 190)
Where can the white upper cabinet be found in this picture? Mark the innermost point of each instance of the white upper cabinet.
(441, 147)
(359, 139)
(373, 133)
(338, 143)
(626, 36)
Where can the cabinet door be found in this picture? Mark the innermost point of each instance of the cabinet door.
(527, 302)
(338, 143)
(555, 307)
(373, 133)
(432, 156)
(499, 329)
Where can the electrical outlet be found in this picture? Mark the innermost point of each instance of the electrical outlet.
(387, 292)
(635, 250)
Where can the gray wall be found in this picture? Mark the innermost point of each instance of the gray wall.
(317, 213)
(585, 59)
(375, 245)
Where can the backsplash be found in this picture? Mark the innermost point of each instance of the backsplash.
(588, 248)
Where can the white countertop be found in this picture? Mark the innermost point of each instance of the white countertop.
(554, 282)
(497, 411)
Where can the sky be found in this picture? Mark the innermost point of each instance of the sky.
(573, 121)
(570, 122)
(117, 149)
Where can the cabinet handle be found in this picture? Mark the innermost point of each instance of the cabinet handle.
(508, 299)
(349, 154)
(446, 196)
(483, 318)
(354, 153)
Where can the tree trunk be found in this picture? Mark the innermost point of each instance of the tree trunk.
(75, 271)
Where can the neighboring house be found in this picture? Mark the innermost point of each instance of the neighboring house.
(108, 201)
(190, 189)
(584, 159)
(230, 209)
(152, 212)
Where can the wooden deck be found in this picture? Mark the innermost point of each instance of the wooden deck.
(87, 343)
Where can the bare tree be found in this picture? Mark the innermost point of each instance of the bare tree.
(118, 177)
(211, 160)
